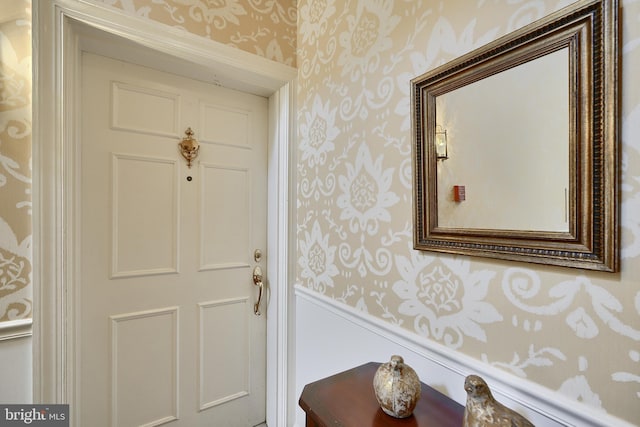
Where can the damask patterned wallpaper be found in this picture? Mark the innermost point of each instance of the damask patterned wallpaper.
(15, 160)
(572, 331)
(264, 27)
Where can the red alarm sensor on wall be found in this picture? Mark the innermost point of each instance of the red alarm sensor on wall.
(458, 193)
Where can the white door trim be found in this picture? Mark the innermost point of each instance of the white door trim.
(62, 30)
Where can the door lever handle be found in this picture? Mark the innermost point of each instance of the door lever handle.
(257, 280)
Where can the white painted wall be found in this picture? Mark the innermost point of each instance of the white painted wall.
(331, 337)
(508, 148)
(15, 359)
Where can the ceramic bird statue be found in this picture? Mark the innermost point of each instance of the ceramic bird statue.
(483, 410)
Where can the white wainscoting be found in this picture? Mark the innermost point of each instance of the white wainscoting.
(332, 337)
(15, 367)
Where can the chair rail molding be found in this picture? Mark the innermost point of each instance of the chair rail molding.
(13, 329)
(62, 30)
(436, 364)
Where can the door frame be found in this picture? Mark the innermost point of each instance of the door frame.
(62, 30)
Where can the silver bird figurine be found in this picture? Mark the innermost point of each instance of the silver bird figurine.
(483, 410)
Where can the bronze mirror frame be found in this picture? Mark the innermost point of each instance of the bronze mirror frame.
(589, 29)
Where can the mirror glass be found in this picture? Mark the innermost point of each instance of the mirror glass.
(508, 149)
(515, 148)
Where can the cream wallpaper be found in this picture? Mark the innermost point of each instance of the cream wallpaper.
(572, 331)
(15, 160)
(263, 27)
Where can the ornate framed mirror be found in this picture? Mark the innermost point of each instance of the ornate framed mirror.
(516, 145)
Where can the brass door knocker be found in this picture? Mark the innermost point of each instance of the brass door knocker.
(189, 147)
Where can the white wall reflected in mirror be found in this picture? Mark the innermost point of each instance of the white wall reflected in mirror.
(508, 145)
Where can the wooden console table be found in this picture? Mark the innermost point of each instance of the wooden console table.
(347, 399)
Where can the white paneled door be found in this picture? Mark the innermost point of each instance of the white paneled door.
(167, 329)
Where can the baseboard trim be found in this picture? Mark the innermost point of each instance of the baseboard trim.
(555, 407)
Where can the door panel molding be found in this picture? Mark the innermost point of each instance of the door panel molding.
(165, 400)
(214, 116)
(62, 30)
(122, 95)
(210, 332)
(223, 247)
(170, 193)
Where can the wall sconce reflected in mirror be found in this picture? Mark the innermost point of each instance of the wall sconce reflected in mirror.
(441, 143)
